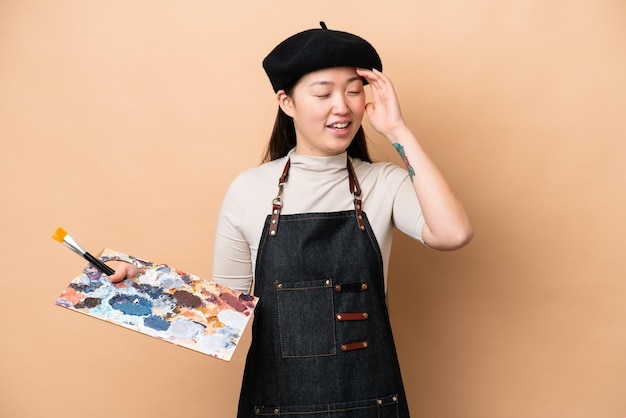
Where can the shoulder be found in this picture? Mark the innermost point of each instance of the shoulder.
(266, 174)
(253, 186)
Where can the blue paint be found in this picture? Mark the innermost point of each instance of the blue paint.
(156, 322)
(86, 288)
(131, 305)
(152, 291)
(230, 335)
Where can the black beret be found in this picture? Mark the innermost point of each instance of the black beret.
(316, 49)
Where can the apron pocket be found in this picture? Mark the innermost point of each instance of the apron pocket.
(306, 318)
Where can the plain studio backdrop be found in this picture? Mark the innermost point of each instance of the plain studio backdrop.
(125, 121)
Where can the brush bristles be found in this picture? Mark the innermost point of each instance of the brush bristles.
(59, 234)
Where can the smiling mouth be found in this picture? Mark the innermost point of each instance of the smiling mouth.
(342, 125)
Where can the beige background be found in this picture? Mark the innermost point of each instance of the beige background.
(125, 121)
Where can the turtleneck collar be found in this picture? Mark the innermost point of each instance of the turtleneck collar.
(328, 164)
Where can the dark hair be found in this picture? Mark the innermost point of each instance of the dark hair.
(283, 139)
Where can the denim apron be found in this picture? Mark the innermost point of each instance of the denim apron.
(321, 340)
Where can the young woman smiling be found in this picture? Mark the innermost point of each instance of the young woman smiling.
(309, 232)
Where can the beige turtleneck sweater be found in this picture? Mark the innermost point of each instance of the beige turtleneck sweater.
(315, 184)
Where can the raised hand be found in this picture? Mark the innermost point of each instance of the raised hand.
(383, 111)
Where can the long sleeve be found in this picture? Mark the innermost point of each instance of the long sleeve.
(232, 260)
(407, 212)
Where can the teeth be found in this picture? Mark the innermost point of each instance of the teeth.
(339, 125)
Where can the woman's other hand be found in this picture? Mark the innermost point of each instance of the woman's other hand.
(124, 271)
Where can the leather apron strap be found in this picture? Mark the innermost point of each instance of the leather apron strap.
(355, 189)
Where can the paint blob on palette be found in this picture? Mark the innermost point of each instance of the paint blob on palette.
(165, 303)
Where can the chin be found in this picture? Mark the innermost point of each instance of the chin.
(339, 149)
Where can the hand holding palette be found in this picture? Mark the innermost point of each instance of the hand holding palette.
(165, 303)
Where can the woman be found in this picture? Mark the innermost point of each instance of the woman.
(311, 229)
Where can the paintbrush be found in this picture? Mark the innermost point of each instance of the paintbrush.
(67, 240)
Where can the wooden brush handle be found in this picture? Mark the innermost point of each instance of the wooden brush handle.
(99, 264)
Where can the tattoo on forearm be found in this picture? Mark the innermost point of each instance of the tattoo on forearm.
(400, 150)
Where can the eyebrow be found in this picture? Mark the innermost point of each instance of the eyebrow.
(325, 83)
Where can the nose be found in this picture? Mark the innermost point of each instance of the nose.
(340, 105)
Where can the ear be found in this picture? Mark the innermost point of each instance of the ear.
(285, 102)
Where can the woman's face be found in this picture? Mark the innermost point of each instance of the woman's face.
(327, 108)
